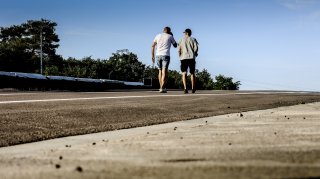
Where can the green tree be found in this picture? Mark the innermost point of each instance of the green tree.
(125, 66)
(49, 38)
(204, 80)
(69, 67)
(20, 45)
(174, 79)
(13, 53)
(52, 71)
(226, 83)
(102, 69)
(150, 72)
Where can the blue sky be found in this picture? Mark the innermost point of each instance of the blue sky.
(265, 44)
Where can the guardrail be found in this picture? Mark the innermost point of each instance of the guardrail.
(31, 81)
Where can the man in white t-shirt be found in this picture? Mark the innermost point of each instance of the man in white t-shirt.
(163, 43)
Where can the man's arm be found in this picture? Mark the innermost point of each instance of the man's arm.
(196, 47)
(174, 43)
(179, 49)
(152, 50)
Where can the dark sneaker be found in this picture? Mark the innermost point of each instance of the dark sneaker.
(193, 90)
(185, 91)
(163, 90)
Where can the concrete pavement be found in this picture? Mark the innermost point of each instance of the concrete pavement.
(275, 143)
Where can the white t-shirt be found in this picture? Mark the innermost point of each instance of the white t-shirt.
(164, 42)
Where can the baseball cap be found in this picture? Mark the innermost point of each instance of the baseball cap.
(188, 31)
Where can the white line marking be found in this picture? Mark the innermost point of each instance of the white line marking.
(13, 94)
(94, 98)
(147, 96)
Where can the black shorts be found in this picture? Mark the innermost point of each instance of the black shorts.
(188, 63)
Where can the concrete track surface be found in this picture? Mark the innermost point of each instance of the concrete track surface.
(281, 142)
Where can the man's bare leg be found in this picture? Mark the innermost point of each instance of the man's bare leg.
(164, 77)
(193, 82)
(160, 79)
(184, 80)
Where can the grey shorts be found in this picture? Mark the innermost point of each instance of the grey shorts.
(163, 61)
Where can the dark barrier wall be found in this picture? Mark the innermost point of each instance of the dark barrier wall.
(27, 81)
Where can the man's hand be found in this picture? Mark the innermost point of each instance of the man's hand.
(175, 45)
(152, 50)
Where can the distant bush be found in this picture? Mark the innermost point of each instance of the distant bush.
(226, 83)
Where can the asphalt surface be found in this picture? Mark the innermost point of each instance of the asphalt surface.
(281, 142)
(36, 116)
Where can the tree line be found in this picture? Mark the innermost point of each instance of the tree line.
(20, 52)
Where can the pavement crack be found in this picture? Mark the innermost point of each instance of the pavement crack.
(184, 160)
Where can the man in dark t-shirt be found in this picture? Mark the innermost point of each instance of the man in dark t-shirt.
(188, 51)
